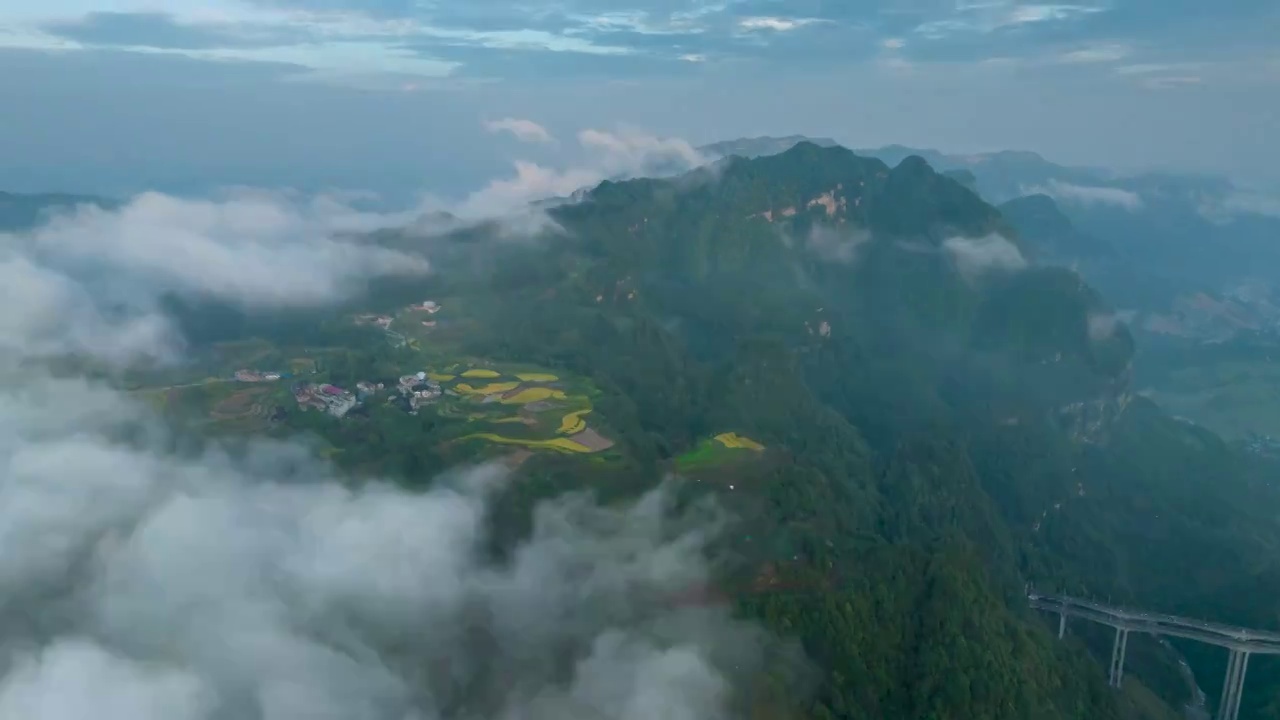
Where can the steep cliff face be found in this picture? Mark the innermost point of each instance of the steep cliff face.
(1090, 421)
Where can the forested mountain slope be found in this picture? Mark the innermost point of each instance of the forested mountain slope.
(944, 422)
(956, 423)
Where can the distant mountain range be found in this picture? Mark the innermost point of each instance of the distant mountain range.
(18, 210)
(1150, 241)
(931, 392)
(760, 146)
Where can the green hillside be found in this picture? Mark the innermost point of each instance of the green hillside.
(938, 425)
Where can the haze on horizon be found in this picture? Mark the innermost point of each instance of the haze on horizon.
(400, 97)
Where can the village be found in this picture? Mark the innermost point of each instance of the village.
(325, 398)
(384, 322)
(415, 389)
(533, 408)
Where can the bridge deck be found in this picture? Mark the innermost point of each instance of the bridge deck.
(1228, 636)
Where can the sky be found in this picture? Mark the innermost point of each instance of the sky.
(405, 96)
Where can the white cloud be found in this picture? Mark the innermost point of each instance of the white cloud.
(256, 249)
(524, 130)
(1161, 76)
(1153, 68)
(1252, 202)
(1088, 195)
(985, 17)
(836, 245)
(1096, 54)
(531, 182)
(334, 45)
(89, 280)
(632, 150)
(625, 152)
(775, 24)
(974, 257)
(44, 312)
(99, 684)
(1102, 325)
(140, 584)
(1042, 12)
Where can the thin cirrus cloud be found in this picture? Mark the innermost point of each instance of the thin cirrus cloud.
(523, 130)
(495, 38)
(732, 67)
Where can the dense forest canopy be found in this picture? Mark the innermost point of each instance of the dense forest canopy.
(947, 420)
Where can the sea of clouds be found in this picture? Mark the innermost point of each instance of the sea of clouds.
(142, 578)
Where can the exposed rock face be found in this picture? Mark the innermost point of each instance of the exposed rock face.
(1090, 420)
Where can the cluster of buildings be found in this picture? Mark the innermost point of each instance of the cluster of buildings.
(427, 306)
(383, 322)
(418, 390)
(325, 398)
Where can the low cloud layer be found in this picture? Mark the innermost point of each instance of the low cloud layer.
(836, 245)
(254, 249)
(138, 584)
(974, 257)
(1102, 326)
(140, 581)
(1088, 195)
(48, 313)
(89, 280)
(1254, 203)
(624, 153)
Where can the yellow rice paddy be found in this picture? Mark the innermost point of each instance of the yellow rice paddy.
(561, 444)
(734, 440)
(481, 373)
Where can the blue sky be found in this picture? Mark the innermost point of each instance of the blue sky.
(121, 95)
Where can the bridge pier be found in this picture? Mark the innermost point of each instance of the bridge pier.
(1241, 642)
(1117, 656)
(1233, 685)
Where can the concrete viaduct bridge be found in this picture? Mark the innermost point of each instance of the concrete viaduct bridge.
(1240, 642)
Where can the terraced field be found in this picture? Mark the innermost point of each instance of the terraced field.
(722, 450)
(550, 416)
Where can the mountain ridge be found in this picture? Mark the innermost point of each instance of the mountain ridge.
(913, 361)
(941, 421)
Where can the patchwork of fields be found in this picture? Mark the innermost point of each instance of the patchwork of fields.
(549, 413)
(724, 450)
(507, 406)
